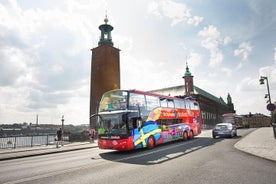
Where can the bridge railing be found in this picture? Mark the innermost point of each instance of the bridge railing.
(29, 141)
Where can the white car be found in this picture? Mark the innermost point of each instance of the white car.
(224, 130)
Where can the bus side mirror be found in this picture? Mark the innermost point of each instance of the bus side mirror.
(139, 122)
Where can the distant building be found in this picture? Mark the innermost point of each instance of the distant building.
(105, 69)
(255, 120)
(211, 106)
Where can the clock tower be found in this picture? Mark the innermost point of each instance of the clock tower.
(105, 69)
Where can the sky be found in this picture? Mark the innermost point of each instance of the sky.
(45, 52)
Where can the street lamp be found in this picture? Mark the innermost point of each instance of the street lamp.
(270, 106)
(62, 128)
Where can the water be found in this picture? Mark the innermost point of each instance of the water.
(28, 141)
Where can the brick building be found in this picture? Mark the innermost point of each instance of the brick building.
(255, 120)
(105, 69)
(211, 106)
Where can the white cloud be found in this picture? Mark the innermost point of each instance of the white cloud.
(45, 53)
(45, 57)
(244, 50)
(194, 59)
(227, 71)
(216, 58)
(270, 72)
(13, 65)
(153, 8)
(211, 41)
(177, 12)
(248, 84)
(227, 40)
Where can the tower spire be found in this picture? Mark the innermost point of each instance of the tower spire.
(188, 81)
(105, 33)
(187, 73)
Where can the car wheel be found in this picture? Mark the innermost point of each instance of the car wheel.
(214, 136)
(232, 134)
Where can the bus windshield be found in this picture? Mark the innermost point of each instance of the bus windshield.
(112, 124)
(113, 100)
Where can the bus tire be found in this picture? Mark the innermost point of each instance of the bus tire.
(191, 135)
(151, 142)
(185, 135)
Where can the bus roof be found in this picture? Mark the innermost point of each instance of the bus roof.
(158, 95)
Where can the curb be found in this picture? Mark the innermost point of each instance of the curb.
(258, 143)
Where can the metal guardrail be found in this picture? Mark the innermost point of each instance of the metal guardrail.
(28, 141)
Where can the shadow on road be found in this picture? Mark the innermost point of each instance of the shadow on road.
(161, 153)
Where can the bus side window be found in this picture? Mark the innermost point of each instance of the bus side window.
(164, 125)
(152, 102)
(163, 102)
(136, 100)
(177, 104)
(187, 105)
(170, 103)
(192, 106)
(182, 104)
(196, 107)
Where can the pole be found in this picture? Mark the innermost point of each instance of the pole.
(62, 129)
(271, 112)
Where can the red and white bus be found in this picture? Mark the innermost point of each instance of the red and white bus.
(233, 119)
(132, 119)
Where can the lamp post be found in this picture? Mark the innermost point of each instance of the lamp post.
(270, 106)
(62, 129)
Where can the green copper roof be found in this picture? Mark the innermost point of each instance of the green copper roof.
(105, 33)
(208, 95)
(187, 73)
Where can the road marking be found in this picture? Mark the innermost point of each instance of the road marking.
(158, 150)
(175, 145)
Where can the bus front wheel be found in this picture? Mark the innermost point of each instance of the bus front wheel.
(151, 142)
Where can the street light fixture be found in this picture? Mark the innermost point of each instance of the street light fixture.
(270, 106)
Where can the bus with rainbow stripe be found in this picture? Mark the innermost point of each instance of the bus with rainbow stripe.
(133, 119)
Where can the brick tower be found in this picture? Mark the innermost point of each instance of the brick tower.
(189, 82)
(105, 69)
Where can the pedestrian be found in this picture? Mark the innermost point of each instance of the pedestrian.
(92, 135)
(59, 137)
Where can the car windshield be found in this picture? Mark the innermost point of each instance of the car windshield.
(221, 127)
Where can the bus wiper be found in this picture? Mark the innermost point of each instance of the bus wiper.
(94, 115)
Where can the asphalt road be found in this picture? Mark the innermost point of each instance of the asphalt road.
(201, 160)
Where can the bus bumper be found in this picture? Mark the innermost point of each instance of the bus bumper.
(116, 144)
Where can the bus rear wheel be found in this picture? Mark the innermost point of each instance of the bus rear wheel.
(191, 135)
(151, 142)
(185, 136)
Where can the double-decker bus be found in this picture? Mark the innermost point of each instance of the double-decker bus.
(233, 119)
(132, 119)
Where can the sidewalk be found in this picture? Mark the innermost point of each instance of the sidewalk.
(260, 143)
(7, 154)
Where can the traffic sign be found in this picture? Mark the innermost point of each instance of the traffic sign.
(270, 107)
